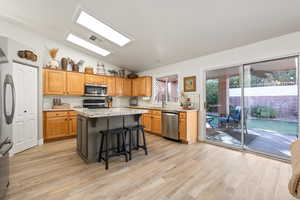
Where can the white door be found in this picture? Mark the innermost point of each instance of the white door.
(25, 126)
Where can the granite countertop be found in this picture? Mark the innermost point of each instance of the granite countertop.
(108, 112)
(163, 109)
(57, 109)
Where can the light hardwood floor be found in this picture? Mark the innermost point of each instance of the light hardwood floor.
(170, 171)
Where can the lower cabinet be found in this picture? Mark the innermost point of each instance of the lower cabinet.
(188, 127)
(152, 121)
(156, 124)
(147, 122)
(59, 124)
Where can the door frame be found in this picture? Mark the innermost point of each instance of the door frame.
(241, 65)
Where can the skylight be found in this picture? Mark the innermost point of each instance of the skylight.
(102, 29)
(85, 44)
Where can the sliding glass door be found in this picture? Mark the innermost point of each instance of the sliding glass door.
(223, 106)
(271, 106)
(254, 106)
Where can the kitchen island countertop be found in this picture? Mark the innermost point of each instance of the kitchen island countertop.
(108, 112)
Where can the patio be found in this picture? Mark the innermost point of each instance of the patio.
(258, 140)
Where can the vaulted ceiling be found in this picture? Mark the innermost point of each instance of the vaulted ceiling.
(164, 31)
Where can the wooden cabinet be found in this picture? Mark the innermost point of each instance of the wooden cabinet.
(152, 121)
(119, 86)
(147, 122)
(59, 124)
(156, 124)
(75, 83)
(127, 87)
(95, 79)
(188, 127)
(142, 86)
(111, 86)
(90, 79)
(123, 87)
(182, 130)
(59, 82)
(54, 82)
(56, 127)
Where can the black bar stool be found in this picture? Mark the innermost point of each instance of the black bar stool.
(108, 149)
(137, 129)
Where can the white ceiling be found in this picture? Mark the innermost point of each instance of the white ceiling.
(164, 31)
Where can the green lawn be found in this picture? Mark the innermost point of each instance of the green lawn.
(281, 127)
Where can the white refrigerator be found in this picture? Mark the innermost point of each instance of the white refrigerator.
(18, 105)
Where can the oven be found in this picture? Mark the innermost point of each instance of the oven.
(95, 90)
(94, 103)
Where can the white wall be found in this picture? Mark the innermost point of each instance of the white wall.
(40, 44)
(272, 48)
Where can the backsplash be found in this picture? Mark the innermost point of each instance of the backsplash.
(77, 101)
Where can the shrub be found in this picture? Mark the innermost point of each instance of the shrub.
(263, 112)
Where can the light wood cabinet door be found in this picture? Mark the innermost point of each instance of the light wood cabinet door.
(147, 122)
(127, 87)
(119, 86)
(156, 124)
(111, 86)
(101, 80)
(135, 87)
(56, 127)
(90, 79)
(182, 129)
(142, 86)
(54, 82)
(72, 126)
(75, 83)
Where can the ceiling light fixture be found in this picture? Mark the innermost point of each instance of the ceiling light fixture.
(102, 29)
(85, 44)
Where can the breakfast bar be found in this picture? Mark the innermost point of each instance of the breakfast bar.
(91, 121)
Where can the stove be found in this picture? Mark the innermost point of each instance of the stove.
(94, 103)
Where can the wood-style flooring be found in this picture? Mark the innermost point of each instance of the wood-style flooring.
(171, 171)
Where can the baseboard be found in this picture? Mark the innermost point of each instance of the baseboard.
(41, 142)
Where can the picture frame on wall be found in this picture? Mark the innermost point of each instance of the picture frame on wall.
(189, 84)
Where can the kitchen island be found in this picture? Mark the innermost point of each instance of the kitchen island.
(91, 121)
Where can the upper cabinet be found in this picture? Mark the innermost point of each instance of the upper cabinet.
(54, 82)
(95, 79)
(75, 83)
(59, 82)
(142, 86)
(127, 87)
(123, 87)
(111, 86)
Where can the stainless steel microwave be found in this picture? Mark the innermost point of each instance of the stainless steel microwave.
(91, 90)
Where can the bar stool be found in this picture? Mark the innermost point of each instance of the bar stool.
(112, 151)
(138, 129)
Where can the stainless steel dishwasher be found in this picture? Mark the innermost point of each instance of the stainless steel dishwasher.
(170, 125)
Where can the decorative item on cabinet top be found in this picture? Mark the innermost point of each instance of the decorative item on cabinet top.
(27, 54)
(53, 63)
